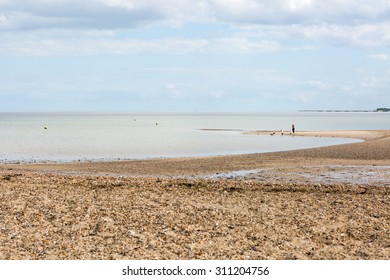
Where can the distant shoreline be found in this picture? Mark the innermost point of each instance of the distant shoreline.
(345, 111)
(338, 111)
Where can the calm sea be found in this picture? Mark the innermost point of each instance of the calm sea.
(73, 137)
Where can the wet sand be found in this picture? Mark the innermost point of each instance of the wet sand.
(303, 204)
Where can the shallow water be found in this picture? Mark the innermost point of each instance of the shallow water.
(71, 137)
(325, 174)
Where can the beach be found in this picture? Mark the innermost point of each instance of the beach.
(319, 203)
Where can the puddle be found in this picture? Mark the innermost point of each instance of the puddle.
(328, 174)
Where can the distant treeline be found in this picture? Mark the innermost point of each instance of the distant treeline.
(348, 111)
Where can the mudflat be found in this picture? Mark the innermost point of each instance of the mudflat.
(304, 204)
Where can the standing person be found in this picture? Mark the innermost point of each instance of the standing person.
(293, 128)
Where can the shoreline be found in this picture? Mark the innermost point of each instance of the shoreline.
(81, 159)
(294, 207)
(374, 150)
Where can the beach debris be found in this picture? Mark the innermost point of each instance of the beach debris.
(8, 177)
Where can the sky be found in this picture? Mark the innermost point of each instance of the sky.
(194, 55)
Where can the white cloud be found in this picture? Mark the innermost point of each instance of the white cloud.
(62, 42)
(3, 19)
(367, 86)
(243, 45)
(173, 90)
(108, 14)
(380, 56)
(98, 14)
(318, 84)
(355, 35)
(359, 35)
(374, 82)
(301, 11)
(301, 97)
(47, 27)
